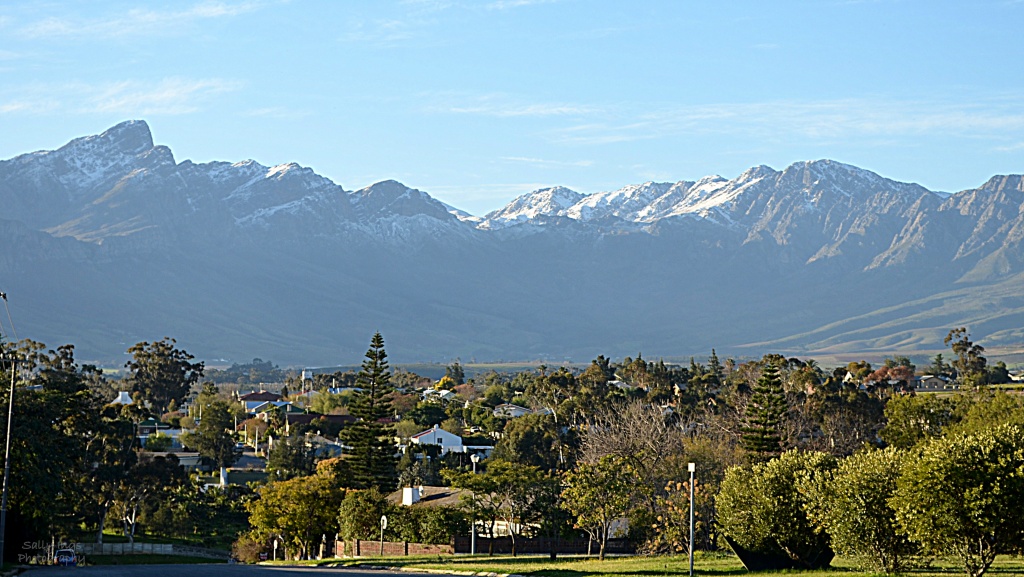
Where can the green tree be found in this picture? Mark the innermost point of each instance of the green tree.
(69, 452)
(212, 439)
(290, 458)
(998, 374)
(360, 512)
(372, 460)
(962, 495)
(161, 372)
(147, 481)
(765, 414)
(761, 508)
(299, 510)
(852, 505)
(455, 373)
(939, 366)
(912, 419)
(969, 362)
(159, 442)
(530, 440)
(504, 490)
(598, 494)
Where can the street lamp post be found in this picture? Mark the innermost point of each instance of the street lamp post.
(691, 467)
(472, 532)
(7, 460)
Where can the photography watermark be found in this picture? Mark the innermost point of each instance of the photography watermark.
(46, 553)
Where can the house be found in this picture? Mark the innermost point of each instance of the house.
(931, 382)
(284, 408)
(449, 442)
(254, 399)
(510, 411)
(442, 395)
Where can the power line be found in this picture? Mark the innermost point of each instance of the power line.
(10, 320)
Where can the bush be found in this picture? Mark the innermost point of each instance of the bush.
(159, 442)
(247, 548)
(961, 495)
(852, 505)
(762, 511)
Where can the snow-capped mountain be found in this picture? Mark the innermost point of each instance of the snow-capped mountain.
(111, 240)
(552, 201)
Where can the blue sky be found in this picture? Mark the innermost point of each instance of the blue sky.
(478, 102)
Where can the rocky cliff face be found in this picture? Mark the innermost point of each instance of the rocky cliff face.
(111, 239)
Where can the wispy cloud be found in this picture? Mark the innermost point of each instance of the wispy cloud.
(504, 106)
(814, 120)
(9, 107)
(170, 96)
(133, 98)
(510, 4)
(543, 163)
(1010, 147)
(134, 22)
(277, 112)
(381, 33)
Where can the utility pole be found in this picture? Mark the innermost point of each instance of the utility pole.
(7, 458)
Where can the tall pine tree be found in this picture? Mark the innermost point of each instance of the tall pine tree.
(372, 460)
(766, 412)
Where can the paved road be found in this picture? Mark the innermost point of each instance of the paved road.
(213, 570)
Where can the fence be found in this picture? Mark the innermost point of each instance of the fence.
(149, 549)
(500, 545)
(503, 545)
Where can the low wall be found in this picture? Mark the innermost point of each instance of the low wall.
(503, 545)
(363, 548)
(149, 549)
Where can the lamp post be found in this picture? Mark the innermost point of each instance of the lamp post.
(472, 531)
(7, 459)
(691, 467)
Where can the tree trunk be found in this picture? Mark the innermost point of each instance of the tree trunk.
(604, 540)
(102, 524)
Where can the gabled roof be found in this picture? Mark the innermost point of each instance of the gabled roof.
(285, 406)
(435, 429)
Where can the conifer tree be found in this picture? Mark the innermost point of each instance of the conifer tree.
(766, 412)
(372, 461)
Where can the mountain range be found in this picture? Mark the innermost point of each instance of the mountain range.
(109, 240)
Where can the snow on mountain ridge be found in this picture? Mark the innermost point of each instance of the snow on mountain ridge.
(553, 201)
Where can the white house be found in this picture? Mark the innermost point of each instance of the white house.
(441, 395)
(449, 442)
(510, 411)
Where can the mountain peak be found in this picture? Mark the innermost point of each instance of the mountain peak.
(132, 136)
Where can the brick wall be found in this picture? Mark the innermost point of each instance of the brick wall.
(363, 548)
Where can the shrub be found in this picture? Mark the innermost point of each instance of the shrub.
(852, 505)
(962, 495)
(762, 511)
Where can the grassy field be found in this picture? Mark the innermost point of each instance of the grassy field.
(704, 564)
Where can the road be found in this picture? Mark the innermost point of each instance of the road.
(213, 570)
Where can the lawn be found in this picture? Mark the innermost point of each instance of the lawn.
(704, 564)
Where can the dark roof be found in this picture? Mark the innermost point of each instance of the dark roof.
(310, 417)
(260, 396)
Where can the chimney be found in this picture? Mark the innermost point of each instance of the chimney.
(410, 496)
